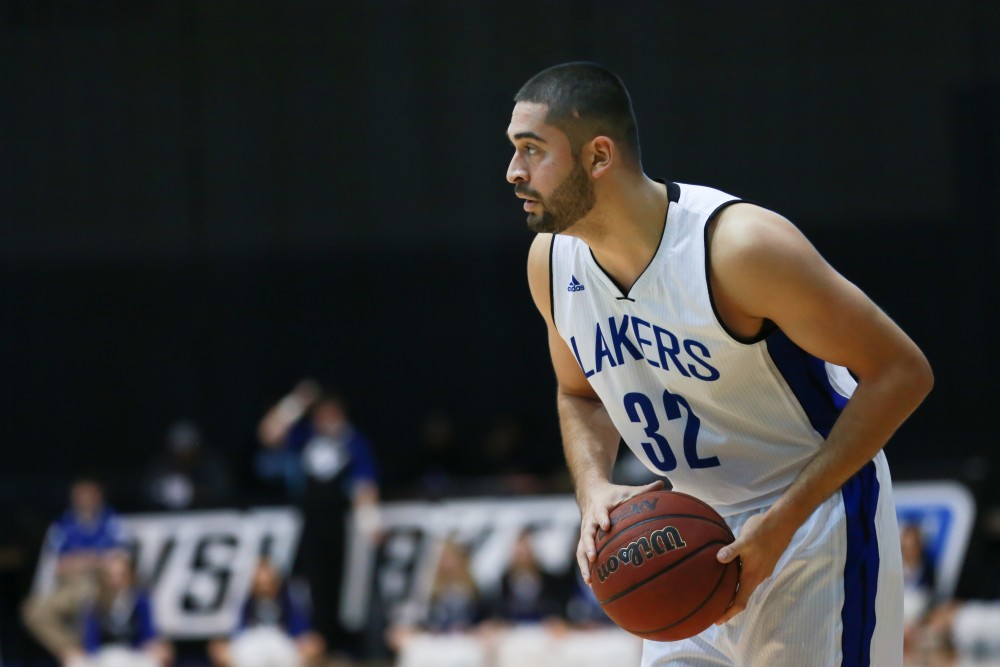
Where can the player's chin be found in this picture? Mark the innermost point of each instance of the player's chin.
(538, 223)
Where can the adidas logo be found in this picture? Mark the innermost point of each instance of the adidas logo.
(574, 285)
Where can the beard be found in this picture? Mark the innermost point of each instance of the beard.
(569, 202)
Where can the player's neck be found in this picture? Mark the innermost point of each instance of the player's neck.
(625, 230)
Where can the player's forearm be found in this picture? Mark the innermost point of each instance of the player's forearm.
(590, 440)
(877, 408)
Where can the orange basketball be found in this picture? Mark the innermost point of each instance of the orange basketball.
(656, 573)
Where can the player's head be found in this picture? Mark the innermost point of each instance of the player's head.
(586, 100)
(570, 123)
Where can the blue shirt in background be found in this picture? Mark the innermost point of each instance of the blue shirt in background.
(283, 613)
(70, 535)
(129, 622)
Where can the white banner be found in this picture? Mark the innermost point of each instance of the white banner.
(400, 567)
(198, 565)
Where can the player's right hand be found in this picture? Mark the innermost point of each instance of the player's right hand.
(596, 503)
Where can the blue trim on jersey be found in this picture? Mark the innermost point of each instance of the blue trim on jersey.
(806, 377)
(860, 495)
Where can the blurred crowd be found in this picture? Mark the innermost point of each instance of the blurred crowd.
(534, 618)
(86, 605)
(941, 630)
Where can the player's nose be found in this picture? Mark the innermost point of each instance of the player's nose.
(516, 172)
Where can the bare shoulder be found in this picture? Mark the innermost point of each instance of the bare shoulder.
(760, 263)
(538, 254)
(746, 232)
(752, 246)
(538, 273)
(763, 267)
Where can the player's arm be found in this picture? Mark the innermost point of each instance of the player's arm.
(590, 440)
(764, 268)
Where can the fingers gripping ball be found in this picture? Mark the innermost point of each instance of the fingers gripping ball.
(656, 573)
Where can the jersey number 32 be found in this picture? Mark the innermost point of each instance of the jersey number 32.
(640, 410)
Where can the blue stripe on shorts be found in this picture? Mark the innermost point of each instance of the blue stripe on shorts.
(860, 495)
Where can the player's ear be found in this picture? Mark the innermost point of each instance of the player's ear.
(601, 153)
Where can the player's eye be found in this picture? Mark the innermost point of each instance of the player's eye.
(530, 149)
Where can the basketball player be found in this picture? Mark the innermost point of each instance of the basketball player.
(713, 338)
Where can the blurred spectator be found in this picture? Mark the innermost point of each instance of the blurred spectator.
(528, 594)
(188, 475)
(975, 629)
(280, 458)
(960, 633)
(329, 468)
(273, 629)
(79, 540)
(918, 574)
(455, 602)
(119, 629)
(918, 586)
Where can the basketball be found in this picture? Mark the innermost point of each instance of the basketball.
(656, 573)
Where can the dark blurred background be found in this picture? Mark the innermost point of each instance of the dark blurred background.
(203, 202)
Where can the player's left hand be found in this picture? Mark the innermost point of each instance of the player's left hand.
(759, 546)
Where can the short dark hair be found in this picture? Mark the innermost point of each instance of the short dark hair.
(585, 100)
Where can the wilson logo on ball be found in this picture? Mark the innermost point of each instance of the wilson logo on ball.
(659, 542)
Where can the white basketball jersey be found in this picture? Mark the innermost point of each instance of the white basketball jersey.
(729, 421)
